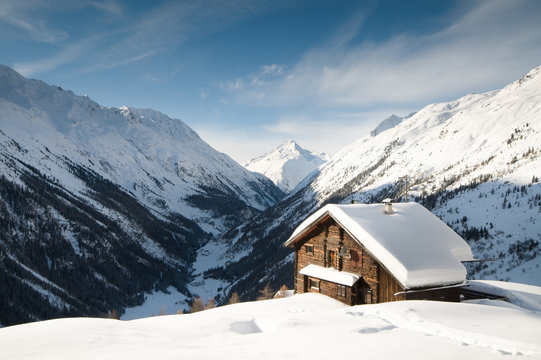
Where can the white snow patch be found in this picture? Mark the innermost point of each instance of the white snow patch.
(286, 329)
(158, 303)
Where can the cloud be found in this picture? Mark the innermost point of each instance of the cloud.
(488, 45)
(161, 76)
(264, 78)
(159, 30)
(111, 7)
(203, 94)
(21, 14)
(68, 54)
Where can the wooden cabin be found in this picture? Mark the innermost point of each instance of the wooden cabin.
(365, 254)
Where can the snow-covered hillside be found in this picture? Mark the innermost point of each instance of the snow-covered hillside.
(100, 205)
(160, 160)
(287, 164)
(307, 326)
(475, 162)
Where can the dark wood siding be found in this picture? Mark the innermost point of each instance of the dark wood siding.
(388, 286)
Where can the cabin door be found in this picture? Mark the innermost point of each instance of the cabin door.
(362, 293)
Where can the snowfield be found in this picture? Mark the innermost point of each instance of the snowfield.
(300, 327)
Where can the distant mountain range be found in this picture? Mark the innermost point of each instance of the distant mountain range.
(99, 206)
(287, 165)
(474, 162)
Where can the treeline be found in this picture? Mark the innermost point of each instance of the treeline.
(60, 255)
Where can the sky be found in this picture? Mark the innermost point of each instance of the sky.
(248, 75)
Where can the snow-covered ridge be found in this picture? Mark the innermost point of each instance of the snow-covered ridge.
(446, 138)
(163, 162)
(389, 123)
(287, 165)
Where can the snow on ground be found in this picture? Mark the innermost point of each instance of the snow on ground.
(158, 303)
(521, 295)
(299, 327)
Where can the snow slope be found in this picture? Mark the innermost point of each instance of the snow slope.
(287, 165)
(307, 326)
(389, 123)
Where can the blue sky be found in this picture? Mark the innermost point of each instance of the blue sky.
(248, 75)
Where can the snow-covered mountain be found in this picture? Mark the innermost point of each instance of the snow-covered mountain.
(475, 162)
(287, 165)
(98, 205)
(163, 162)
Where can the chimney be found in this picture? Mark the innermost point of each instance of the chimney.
(388, 206)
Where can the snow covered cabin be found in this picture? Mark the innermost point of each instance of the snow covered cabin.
(372, 253)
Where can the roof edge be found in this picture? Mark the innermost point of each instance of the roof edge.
(294, 237)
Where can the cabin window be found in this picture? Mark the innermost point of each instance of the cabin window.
(341, 290)
(355, 258)
(314, 284)
(309, 249)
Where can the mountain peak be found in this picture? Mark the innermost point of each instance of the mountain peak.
(287, 164)
(389, 123)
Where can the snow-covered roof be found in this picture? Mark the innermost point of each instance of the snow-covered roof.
(330, 274)
(413, 244)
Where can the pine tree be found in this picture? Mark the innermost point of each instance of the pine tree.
(234, 298)
(281, 292)
(210, 304)
(266, 293)
(114, 315)
(197, 305)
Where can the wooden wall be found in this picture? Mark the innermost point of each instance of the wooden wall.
(328, 235)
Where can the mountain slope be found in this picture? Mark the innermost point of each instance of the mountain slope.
(475, 162)
(287, 164)
(160, 160)
(100, 205)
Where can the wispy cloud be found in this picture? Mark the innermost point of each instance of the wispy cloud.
(159, 30)
(161, 76)
(68, 54)
(479, 50)
(21, 14)
(111, 7)
(203, 94)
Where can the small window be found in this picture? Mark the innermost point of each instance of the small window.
(314, 284)
(355, 258)
(341, 290)
(309, 249)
